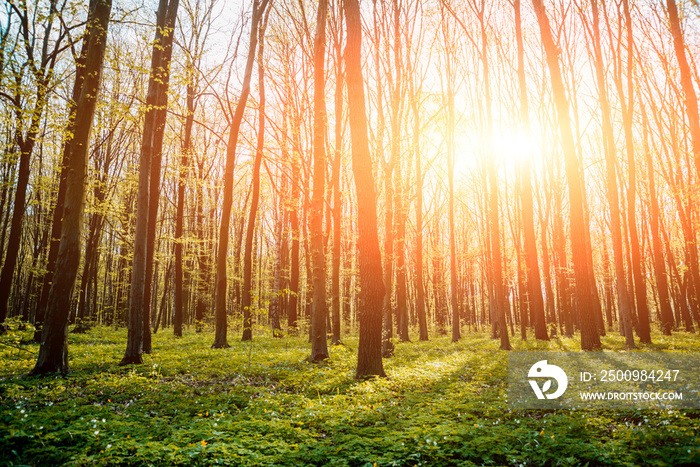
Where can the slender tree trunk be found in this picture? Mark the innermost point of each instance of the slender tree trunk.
(277, 298)
(220, 340)
(180, 209)
(60, 196)
(156, 100)
(319, 346)
(420, 288)
(292, 305)
(388, 169)
(546, 273)
(163, 300)
(534, 283)
(640, 289)
(451, 215)
(399, 210)
(53, 353)
(590, 338)
(369, 351)
(246, 299)
(203, 292)
(500, 300)
(624, 300)
(337, 195)
(156, 162)
(662, 288)
(90, 253)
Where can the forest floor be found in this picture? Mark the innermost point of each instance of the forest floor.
(262, 403)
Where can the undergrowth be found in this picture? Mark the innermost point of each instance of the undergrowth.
(264, 404)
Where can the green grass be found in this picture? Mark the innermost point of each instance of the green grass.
(264, 404)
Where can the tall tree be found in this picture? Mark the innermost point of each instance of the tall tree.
(139, 324)
(397, 94)
(416, 149)
(53, 353)
(534, 284)
(220, 340)
(337, 167)
(198, 18)
(319, 346)
(41, 62)
(450, 137)
(590, 338)
(624, 303)
(246, 297)
(369, 350)
(388, 165)
(627, 107)
(662, 289)
(57, 219)
(180, 210)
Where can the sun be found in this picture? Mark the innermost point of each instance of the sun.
(513, 146)
(510, 146)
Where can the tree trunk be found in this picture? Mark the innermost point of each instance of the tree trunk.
(534, 283)
(388, 169)
(180, 213)
(666, 313)
(220, 340)
(337, 195)
(319, 346)
(419, 281)
(155, 169)
(60, 196)
(246, 299)
(53, 353)
(138, 336)
(640, 289)
(451, 214)
(292, 307)
(624, 300)
(369, 351)
(590, 338)
(500, 300)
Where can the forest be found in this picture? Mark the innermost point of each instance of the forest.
(309, 232)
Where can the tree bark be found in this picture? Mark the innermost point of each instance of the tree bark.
(627, 106)
(319, 346)
(246, 298)
(180, 209)
(420, 282)
(337, 194)
(534, 283)
(369, 351)
(53, 353)
(139, 325)
(590, 338)
(666, 313)
(624, 300)
(57, 220)
(220, 340)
